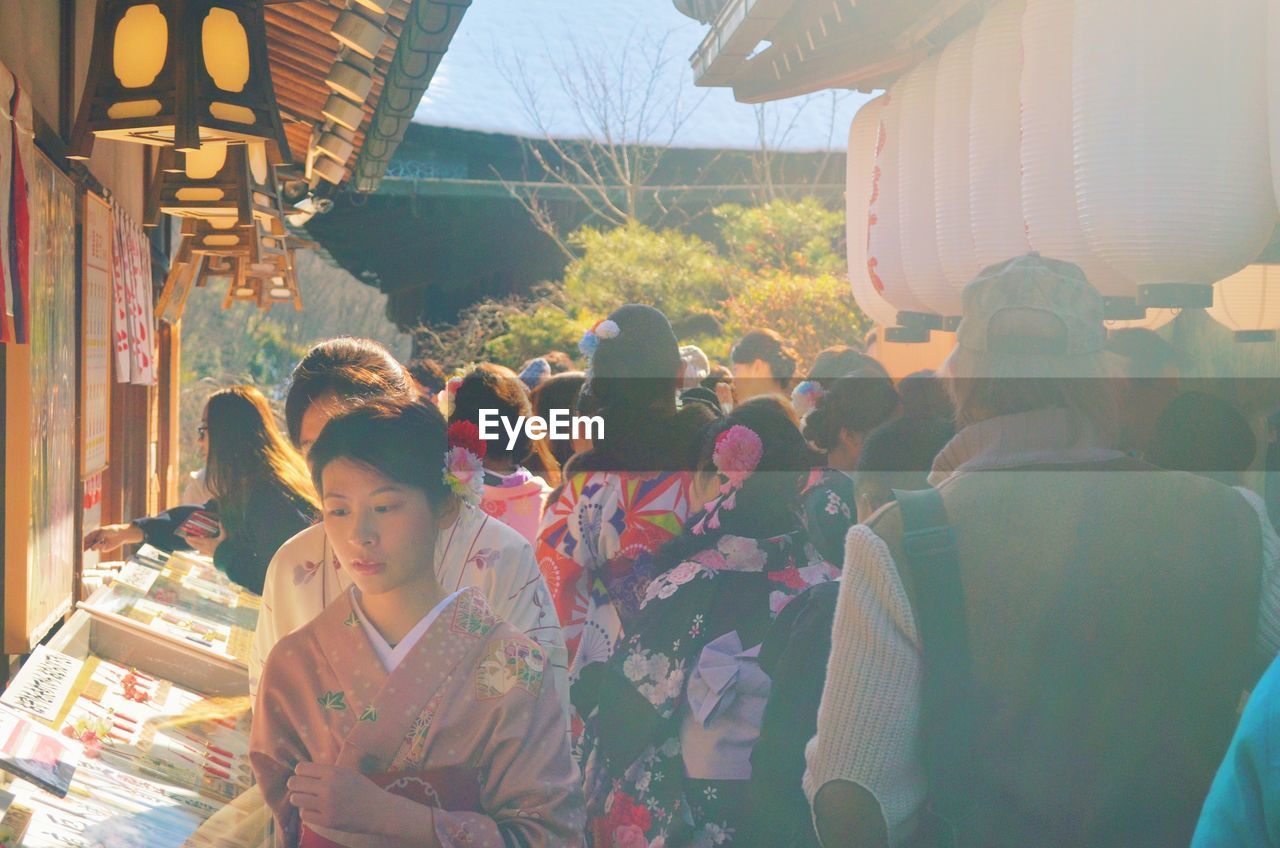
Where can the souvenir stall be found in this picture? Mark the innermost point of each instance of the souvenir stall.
(133, 722)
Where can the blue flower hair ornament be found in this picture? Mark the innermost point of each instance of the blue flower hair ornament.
(591, 339)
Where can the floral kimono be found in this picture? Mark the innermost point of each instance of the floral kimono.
(596, 548)
(305, 577)
(829, 510)
(467, 722)
(681, 702)
(516, 499)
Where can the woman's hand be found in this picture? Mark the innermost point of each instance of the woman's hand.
(112, 536)
(206, 544)
(343, 799)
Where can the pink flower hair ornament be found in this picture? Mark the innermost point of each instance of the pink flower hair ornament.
(736, 456)
(601, 331)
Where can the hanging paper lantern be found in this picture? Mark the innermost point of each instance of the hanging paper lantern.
(1154, 319)
(917, 221)
(1048, 181)
(1273, 91)
(995, 183)
(1248, 303)
(951, 162)
(863, 134)
(1171, 157)
(179, 73)
(884, 227)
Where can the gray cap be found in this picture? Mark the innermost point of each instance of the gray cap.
(1037, 284)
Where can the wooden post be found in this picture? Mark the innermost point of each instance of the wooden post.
(170, 376)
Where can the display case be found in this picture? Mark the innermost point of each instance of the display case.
(147, 684)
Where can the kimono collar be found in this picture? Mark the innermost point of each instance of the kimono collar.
(1044, 436)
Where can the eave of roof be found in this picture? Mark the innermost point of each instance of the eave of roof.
(302, 51)
(820, 44)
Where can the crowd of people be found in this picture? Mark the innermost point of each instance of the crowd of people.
(775, 603)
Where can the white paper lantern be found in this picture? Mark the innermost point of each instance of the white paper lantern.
(884, 230)
(1171, 160)
(1273, 90)
(863, 136)
(1048, 182)
(1154, 319)
(951, 161)
(917, 217)
(1248, 303)
(995, 182)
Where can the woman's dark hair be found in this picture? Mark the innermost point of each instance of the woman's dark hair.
(838, 360)
(718, 374)
(768, 504)
(559, 391)
(924, 395)
(1202, 433)
(489, 386)
(247, 452)
(404, 441)
(560, 362)
(857, 402)
(906, 446)
(632, 386)
(351, 369)
(767, 346)
(428, 374)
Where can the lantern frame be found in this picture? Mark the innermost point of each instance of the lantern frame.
(182, 105)
(227, 194)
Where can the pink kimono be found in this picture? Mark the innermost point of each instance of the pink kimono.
(467, 719)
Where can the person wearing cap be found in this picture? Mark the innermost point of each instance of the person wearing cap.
(1101, 630)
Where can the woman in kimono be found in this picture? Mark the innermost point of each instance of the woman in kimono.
(512, 494)
(680, 704)
(838, 414)
(408, 713)
(627, 495)
(305, 577)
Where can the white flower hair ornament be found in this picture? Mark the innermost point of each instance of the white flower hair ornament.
(591, 339)
(736, 456)
(463, 466)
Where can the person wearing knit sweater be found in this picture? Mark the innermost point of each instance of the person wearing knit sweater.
(1111, 617)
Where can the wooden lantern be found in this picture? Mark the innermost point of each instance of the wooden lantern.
(212, 182)
(179, 73)
(215, 238)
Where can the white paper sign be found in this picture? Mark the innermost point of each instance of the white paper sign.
(43, 683)
(135, 575)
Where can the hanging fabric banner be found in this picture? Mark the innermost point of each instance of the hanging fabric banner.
(6, 184)
(134, 328)
(120, 299)
(141, 323)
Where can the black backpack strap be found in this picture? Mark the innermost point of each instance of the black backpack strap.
(947, 711)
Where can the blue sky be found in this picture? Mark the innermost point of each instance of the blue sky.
(510, 53)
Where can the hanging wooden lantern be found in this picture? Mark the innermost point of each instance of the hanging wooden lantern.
(264, 188)
(952, 91)
(863, 135)
(220, 237)
(1248, 303)
(1171, 160)
(995, 189)
(1049, 205)
(179, 73)
(212, 182)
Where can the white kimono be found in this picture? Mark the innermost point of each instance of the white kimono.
(476, 550)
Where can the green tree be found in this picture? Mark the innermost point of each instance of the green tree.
(811, 312)
(800, 237)
(548, 327)
(677, 273)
